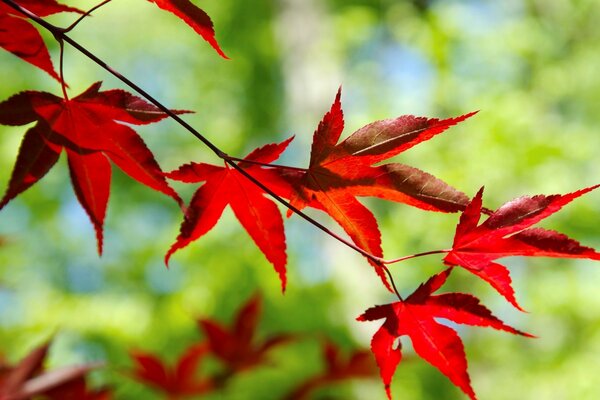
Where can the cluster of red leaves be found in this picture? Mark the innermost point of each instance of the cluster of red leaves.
(91, 129)
(28, 379)
(238, 351)
(337, 174)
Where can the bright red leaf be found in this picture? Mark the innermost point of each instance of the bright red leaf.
(89, 127)
(178, 381)
(339, 172)
(358, 364)
(237, 346)
(195, 17)
(225, 186)
(20, 37)
(437, 344)
(507, 232)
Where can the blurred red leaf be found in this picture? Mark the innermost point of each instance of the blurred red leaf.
(358, 364)
(178, 381)
(28, 379)
(237, 346)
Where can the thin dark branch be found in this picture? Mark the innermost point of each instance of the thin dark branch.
(60, 35)
(85, 15)
(426, 253)
(266, 164)
(389, 274)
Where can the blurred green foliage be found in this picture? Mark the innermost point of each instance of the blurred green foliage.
(530, 66)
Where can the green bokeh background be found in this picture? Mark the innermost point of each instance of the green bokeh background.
(530, 67)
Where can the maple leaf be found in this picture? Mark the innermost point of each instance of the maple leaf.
(20, 37)
(89, 128)
(339, 172)
(507, 232)
(437, 344)
(178, 381)
(195, 17)
(28, 379)
(225, 186)
(236, 346)
(358, 364)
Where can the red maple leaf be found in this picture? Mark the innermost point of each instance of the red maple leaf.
(225, 186)
(437, 344)
(28, 379)
(88, 128)
(20, 37)
(236, 347)
(178, 381)
(339, 172)
(507, 232)
(358, 364)
(195, 17)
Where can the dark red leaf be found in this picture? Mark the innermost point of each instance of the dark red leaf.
(178, 381)
(88, 127)
(237, 347)
(358, 364)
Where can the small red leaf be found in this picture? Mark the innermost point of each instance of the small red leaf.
(195, 17)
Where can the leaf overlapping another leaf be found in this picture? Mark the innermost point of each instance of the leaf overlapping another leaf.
(90, 129)
(20, 37)
(340, 172)
(436, 343)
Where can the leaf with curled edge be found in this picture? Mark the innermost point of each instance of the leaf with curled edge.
(195, 17)
(90, 127)
(507, 232)
(225, 186)
(436, 343)
(340, 172)
(237, 346)
(178, 381)
(19, 37)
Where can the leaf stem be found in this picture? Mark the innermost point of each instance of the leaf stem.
(426, 253)
(63, 85)
(84, 15)
(389, 274)
(60, 35)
